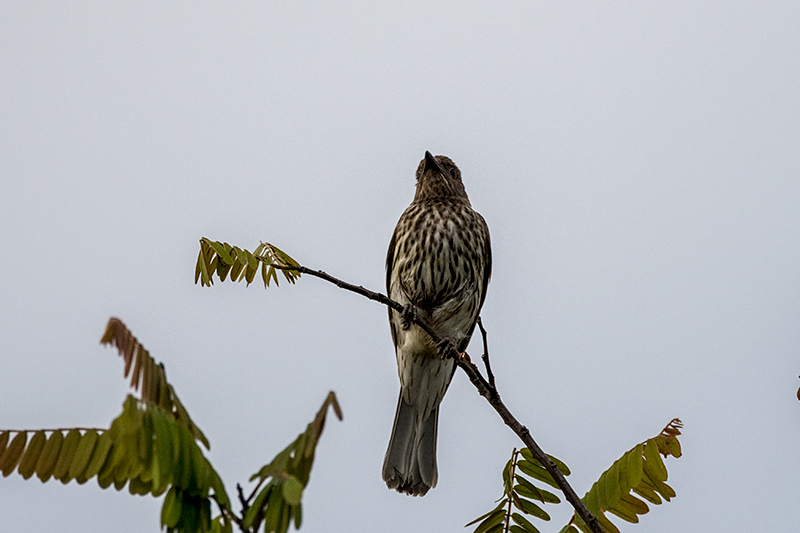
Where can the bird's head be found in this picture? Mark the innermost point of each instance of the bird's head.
(439, 177)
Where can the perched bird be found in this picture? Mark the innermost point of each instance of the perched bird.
(439, 262)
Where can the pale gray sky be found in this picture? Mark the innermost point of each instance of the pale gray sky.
(638, 165)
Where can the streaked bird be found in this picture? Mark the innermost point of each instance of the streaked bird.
(439, 261)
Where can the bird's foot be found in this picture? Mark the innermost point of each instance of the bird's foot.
(408, 316)
(447, 348)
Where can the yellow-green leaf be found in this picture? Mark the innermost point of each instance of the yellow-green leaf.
(292, 490)
(492, 520)
(272, 516)
(163, 452)
(297, 515)
(654, 463)
(99, 456)
(27, 464)
(634, 465)
(12, 454)
(626, 514)
(68, 450)
(49, 457)
(674, 447)
(524, 523)
(83, 454)
(633, 503)
(171, 509)
(609, 484)
(499, 506)
(537, 472)
(647, 493)
(528, 507)
(257, 506)
(220, 249)
(607, 524)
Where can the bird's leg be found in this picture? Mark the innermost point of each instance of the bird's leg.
(408, 316)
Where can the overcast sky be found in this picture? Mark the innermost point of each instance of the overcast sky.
(638, 165)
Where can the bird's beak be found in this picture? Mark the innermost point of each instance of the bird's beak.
(431, 164)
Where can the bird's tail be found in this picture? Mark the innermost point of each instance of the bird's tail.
(410, 463)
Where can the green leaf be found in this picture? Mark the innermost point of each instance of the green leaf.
(653, 461)
(201, 271)
(607, 524)
(527, 454)
(634, 464)
(257, 506)
(171, 509)
(99, 456)
(624, 513)
(624, 482)
(591, 501)
(659, 486)
(647, 493)
(297, 515)
(537, 472)
(292, 490)
(492, 520)
(609, 485)
(163, 449)
(634, 504)
(49, 456)
(674, 447)
(12, 454)
(507, 472)
(27, 464)
(138, 486)
(83, 454)
(220, 249)
(529, 490)
(272, 516)
(499, 506)
(528, 507)
(524, 524)
(264, 275)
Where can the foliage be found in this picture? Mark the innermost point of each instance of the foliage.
(149, 378)
(640, 470)
(221, 258)
(152, 447)
(517, 491)
(279, 501)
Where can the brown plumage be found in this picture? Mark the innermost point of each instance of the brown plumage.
(440, 261)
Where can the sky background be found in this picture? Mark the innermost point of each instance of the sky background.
(638, 165)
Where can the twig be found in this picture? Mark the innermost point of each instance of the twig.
(242, 500)
(485, 389)
(485, 355)
(229, 513)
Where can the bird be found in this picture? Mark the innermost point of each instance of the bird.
(438, 265)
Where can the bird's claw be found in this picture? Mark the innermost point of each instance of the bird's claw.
(408, 316)
(447, 347)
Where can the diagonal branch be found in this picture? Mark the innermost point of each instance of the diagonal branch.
(485, 388)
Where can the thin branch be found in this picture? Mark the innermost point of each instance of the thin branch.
(229, 513)
(242, 501)
(485, 389)
(485, 355)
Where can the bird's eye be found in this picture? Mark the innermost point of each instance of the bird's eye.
(453, 172)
